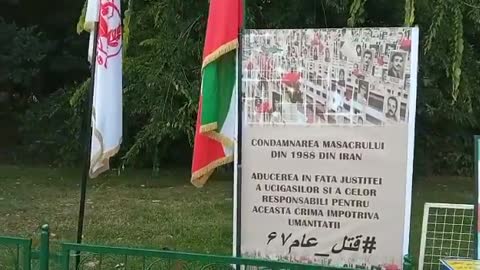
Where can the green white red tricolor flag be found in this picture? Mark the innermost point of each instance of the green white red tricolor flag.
(216, 118)
(107, 92)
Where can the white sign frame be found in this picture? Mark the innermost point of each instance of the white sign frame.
(411, 141)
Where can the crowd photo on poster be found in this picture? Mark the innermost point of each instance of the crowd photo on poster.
(326, 76)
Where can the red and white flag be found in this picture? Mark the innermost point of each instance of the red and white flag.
(107, 97)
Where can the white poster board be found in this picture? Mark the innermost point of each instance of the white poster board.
(328, 120)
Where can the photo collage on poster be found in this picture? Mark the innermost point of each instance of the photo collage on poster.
(326, 76)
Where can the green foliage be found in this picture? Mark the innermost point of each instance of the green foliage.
(81, 20)
(437, 20)
(51, 131)
(162, 75)
(409, 12)
(35, 61)
(22, 51)
(356, 13)
(463, 21)
(162, 71)
(308, 13)
(457, 49)
(441, 152)
(448, 87)
(126, 25)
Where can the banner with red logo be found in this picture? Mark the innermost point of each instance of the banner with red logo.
(107, 97)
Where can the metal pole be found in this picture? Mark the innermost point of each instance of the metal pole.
(44, 247)
(27, 255)
(408, 263)
(239, 131)
(239, 144)
(476, 142)
(88, 142)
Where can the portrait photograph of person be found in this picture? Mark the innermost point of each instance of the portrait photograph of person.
(375, 50)
(396, 64)
(358, 49)
(389, 47)
(367, 61)
(384, 75)
(327, 55)
(341, 77)
(276, 108)
(391, 109)
(406, 83)
(363, 87)
(342, 57)
(403, 111)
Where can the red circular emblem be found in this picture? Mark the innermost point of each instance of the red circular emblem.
(109, 31)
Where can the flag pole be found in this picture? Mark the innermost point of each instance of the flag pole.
(88, 142)
(239, 133)
(476, 141)
(239, 146)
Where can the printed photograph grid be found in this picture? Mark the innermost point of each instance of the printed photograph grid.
(326, 76)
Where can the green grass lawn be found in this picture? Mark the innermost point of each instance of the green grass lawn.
(137, 209)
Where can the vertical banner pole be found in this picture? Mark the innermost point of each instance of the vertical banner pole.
(88, 142)
(411, 138)
(239, 144)
(44, 247)
(476, 141)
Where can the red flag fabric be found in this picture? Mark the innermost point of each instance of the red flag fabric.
(215, 127)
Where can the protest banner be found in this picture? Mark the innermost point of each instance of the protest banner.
(327, 134)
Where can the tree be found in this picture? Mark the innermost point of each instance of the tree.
(162, 70)
(22, 51)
